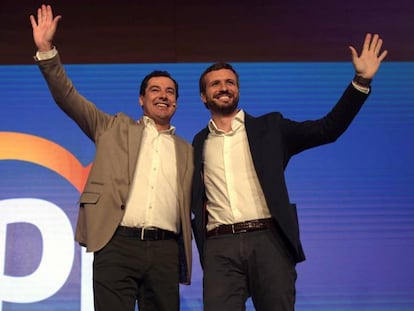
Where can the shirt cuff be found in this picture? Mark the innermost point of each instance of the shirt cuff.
(362, 89)
(45, 55)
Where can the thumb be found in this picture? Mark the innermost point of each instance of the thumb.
(354, 53)
(57, 19)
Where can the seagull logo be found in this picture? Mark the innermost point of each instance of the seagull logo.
(43, 152)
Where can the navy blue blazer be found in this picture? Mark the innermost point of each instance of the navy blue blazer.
(273, 140)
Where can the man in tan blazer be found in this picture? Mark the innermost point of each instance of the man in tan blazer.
(134, 210)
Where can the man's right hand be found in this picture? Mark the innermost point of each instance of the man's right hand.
(45, 27)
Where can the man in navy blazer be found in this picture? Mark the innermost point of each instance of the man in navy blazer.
(245, 227)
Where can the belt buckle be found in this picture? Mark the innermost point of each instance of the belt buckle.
(233, 230)
(150, 235)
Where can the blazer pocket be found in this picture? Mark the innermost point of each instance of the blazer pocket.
(89, 198)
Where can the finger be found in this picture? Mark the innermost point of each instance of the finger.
(50, 11)
(39, 16)
(57, 19)
(383, 55)
(367, 42)
(48, 14)
(378, 47)
(33, 21)
(45, 17)
(374, 42)
(353, 52)
(354, 55)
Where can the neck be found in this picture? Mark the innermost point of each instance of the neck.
(160, 124)
(162, 127)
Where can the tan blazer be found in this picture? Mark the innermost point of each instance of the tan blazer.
(117, 139)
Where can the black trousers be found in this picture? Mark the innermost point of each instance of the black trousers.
(252, 264)
(128, 270)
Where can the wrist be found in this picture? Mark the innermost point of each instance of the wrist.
(45, 46)
(361, 81)
(45, 55)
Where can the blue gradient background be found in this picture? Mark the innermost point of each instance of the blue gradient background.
(355, 197)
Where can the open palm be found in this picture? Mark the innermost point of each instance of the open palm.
(367, 64)
(45, 27)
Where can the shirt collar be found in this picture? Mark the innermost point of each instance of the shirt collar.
(150, 123)
(236, 123)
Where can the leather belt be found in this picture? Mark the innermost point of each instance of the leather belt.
(240, 227)
(146, 234)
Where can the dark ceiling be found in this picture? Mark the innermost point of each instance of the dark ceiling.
(207, 31)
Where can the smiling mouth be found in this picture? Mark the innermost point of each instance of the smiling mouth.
(163, 105)
(224, 96)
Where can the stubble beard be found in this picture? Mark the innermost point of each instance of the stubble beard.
(222, 110)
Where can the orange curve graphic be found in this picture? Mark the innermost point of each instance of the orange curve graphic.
(34, 149)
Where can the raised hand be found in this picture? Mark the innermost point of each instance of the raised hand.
(367, 64)
(45, 27)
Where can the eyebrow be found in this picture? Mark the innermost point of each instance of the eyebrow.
(225, 80)
(168, 88)
(160, 87)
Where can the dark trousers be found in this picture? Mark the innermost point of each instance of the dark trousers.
(128, 270)
(256, 264)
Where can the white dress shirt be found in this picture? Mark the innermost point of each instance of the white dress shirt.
(153, 200)
(232, 187)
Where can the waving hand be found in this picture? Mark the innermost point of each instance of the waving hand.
(367, 63)
(45, 27)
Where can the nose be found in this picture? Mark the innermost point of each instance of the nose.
(163, 94)
(223, 86)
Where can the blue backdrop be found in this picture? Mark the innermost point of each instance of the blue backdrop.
(355, 197)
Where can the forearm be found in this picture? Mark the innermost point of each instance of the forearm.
(335, 123)
(312, 133)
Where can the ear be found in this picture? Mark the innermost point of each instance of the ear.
(203, 97)
(141, 101)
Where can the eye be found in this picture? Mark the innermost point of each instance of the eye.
(155, 89)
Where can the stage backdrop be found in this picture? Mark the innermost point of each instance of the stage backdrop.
(355, 197)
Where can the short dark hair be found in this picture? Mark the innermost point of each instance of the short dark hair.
(154, 74)
(214, 67)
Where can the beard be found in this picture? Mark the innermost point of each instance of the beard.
(224, 110)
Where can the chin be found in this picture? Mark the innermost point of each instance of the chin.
(222, 109)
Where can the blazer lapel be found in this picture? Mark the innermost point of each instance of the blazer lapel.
(135, 132)
(181, 157)
(254, 131)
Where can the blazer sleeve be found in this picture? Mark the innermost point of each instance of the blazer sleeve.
(89, 118)
(299, 136)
